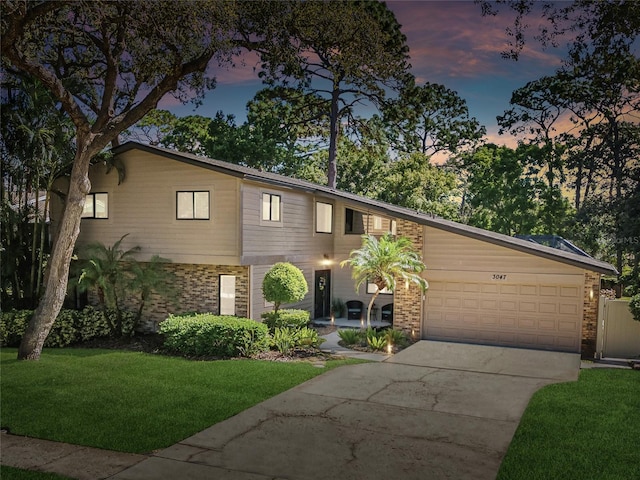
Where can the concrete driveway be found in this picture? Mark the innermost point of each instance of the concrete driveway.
(435, 410)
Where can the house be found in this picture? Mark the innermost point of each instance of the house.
(223, 226)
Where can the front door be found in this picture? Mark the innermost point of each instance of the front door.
(322, 306)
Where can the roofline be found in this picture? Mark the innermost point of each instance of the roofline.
(247, 173)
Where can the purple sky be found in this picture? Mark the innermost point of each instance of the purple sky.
(450, 43)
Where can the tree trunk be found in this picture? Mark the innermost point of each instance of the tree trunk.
(332, 172)
(58, 267)
(373, 299)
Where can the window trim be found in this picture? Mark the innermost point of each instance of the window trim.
(331, 218)
(93, 215)
(193, 206)
(270, 221)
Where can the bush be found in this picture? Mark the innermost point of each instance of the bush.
(396, 337)
(350, 336)
(376, 343)
(291, 318)
(634, 306)
(308, 338)
(211, 335)
(284, 283)
(71, 326)
(284, 340)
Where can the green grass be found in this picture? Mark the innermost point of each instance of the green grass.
(134, 402)
(589, 429)
(10, 473)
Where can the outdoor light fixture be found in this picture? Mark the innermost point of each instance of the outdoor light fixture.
(326, 261)
(591, 294)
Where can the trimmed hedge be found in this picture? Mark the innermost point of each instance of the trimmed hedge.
(212, 335)
(286, 318)
(71, 326)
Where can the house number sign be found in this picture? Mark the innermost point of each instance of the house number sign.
(499, 276)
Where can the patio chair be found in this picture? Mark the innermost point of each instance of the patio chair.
(387, 312)
(354, 309)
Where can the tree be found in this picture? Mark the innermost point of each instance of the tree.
(284, 283)
(108, 64)
(431, 118)
(344, 53)
(106, 270)
(383, 262)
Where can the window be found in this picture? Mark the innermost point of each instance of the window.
(271, 207)
(354, 222)
(96, 205)
(324, 217)
(192, 205)
(227, 294)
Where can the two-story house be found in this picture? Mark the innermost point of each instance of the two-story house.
(223, 226)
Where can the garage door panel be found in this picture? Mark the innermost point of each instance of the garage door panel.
(524, 314)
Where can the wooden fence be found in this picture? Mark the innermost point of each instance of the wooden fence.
(618, 332)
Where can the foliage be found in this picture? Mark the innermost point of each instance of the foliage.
(135, 402)
(308, 338)
(634, 306)
(107, 64)
(349, 336)
(284, 283)
(211, 335)
(12, 473)
(338, 307)
(291, 318)
(71, 326)
(284, 340)
(382, 262)
(396, 337)
(115, 274)
(345, 54)
(376, 342)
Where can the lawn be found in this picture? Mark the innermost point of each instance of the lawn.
(10, 473)
(584, 429)
(134, 402)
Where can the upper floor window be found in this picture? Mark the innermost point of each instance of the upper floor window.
(271, 207)
(96, 205)
(353, 222)
(192, 205)
(358, 223)
(324, 217)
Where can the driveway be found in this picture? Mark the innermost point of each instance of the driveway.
(435, 410)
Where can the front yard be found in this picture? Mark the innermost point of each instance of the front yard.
(589, 429)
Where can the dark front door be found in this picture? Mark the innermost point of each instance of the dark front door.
(322, 307)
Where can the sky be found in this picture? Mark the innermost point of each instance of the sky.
(450, 43)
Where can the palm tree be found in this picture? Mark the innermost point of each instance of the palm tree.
(106, 270)
(382, 262)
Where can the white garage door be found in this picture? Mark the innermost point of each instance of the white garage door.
(543, 312)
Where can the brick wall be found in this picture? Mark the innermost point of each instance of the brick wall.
(407, 306)
(197, 288)
(590, 314)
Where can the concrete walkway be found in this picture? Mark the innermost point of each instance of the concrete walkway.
(434, 410)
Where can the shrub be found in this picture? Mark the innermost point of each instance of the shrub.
(338, 307)
(396, 337)
(284, 340)
(71, 326)
(349, 336)
(284, 283)
(634, 306)
(211, 335)
(376, 343)
(308, 338)
(291, 318)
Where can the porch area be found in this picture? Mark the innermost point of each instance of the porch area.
(347, 323)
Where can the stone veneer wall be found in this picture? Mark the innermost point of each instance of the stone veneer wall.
(407, 303)
(197, 289)
(590, 314)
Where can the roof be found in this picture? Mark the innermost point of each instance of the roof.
(430, 220)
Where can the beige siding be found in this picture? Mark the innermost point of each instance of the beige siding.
(293, 239)
(452, 252)
(144, 206)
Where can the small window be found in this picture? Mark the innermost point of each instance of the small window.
(354, 222)
(96, 205)
(192, 205)
(324, 218)
(271, 207)
(227, 294)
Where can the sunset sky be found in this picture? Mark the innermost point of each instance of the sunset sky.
(450, 43)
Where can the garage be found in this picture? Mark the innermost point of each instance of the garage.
(490, 289)
(532, 311)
